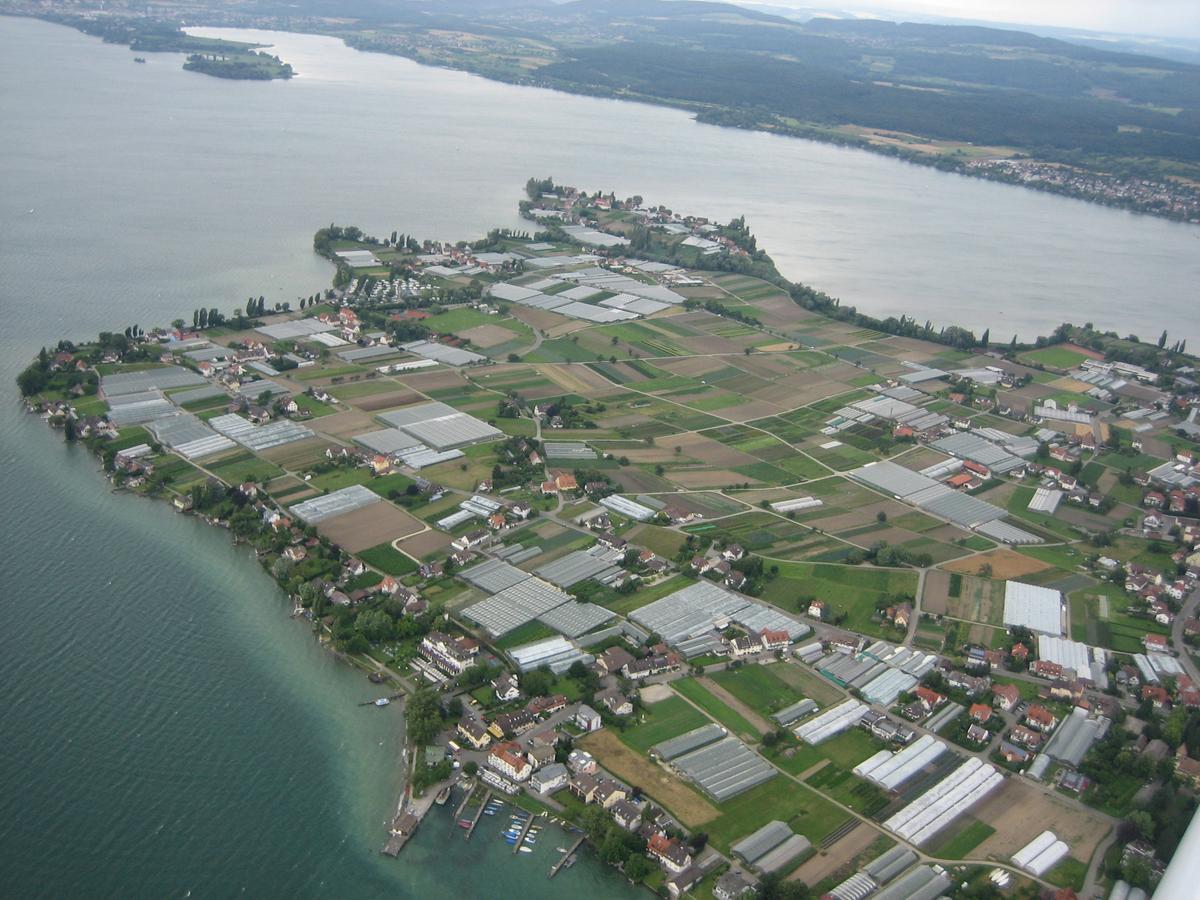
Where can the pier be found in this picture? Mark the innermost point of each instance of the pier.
(521, 837)
(390, 698)
(570, 852)
(404, 826)
(479, 813)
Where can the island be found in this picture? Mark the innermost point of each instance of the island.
(753, 591)
(209, 56)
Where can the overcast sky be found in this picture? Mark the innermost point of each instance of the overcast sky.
(1169, 18)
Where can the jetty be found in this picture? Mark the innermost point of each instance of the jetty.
(570, 852)
(524, 831)
(389, 698)
(404, 826)
(478, 814)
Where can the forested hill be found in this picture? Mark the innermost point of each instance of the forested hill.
(978, 91)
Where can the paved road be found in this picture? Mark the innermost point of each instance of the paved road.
(1186, 612)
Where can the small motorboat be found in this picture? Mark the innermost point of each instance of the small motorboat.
(382, 701)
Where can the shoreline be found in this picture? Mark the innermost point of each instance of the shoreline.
(1021, 170)
(260, 519)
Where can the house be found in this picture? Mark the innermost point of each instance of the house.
(671, 853)
(1026, 737)
(566, 483)
(1019, 652)
(1006, 696)
(508, 760)
(626, 814)
(521, 509)
(816, 609)
(388, 585)
(472, 540)
(615, 702)
(545, 706)
(1188, 769)
(733, 552)
(611, 541)
(980, 712)
(971, 685)
(1046, 669)
(609, 792)
(680, 884)
(540, 754)
(295, 554)
(1014, 754)
(581, 762)
(654, 664)
(1155, 642)
(775, 640)
(508, 725)
(450, 655)
(900, 615)
(549, 489)
(1040, 718)
(549, 778)
(587, 718)
(978, 734)
(732, 886)
(929, 699)
(746, 645)
(507, 688)
(431, 570)
(613, 660)
(353, 567)
(1157, 695)
(474, 733)
(736, 580)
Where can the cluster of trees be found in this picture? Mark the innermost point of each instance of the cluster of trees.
(881, 553)
(207, 318)
(535, 187)
(617, 847)
(719, 309)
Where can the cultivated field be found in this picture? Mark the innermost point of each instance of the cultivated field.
(371, 525)
(1005, 564)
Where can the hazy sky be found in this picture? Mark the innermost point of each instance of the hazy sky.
(1170, 18)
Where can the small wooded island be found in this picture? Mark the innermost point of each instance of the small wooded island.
(211, 56)
(656, 542)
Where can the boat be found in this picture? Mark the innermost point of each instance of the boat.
(464, 823)
(561, 849)
(570, 861)
(382, 701)
(526, 850)
(442, 796)
(139, 59)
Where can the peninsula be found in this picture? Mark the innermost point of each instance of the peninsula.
(759, 592)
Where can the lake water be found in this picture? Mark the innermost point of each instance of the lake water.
(167, 729)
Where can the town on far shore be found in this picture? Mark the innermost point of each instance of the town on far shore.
(758, 594)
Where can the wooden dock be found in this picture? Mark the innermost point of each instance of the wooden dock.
(521, 837)
(404, 826)
(465, 800)
(478, 814)
(570, 852)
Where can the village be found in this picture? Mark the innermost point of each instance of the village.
(649, 546)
